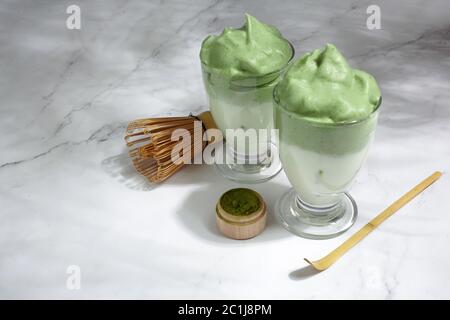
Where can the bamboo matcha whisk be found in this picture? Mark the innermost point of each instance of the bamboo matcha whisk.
(150, 145)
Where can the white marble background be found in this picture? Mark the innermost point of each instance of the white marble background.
(69, 197)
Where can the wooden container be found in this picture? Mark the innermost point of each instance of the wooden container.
(241, 227)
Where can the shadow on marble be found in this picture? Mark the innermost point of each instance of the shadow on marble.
(120, 167)
(303, 273)
(122, 170)
(197, 211)
(196, 174)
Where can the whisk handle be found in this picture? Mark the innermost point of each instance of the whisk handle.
(207, 119)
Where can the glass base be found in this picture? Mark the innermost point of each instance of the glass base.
(262, 171)
(311, 222)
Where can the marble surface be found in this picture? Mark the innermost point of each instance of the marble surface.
(68, 195)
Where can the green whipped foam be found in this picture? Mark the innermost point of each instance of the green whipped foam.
(322, 87)
(254, 49)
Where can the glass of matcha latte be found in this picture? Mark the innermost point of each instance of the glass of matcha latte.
(326, 113)
(240, 69)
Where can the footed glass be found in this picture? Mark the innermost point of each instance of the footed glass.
(321, 162)
(245, 106)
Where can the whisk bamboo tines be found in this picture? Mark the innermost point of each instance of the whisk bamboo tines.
(150, 145)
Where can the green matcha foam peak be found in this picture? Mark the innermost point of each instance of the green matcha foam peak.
(255, 49)
(322, 87)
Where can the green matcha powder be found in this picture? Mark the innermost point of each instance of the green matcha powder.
(240, 202)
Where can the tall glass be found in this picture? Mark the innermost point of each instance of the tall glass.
(242, 104)
(320, 161)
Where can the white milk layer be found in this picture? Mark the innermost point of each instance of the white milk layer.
(319, 177)
(257, 115)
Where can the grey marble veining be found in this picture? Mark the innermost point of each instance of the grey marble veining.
(68, 195)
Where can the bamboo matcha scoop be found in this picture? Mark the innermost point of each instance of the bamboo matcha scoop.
(334, 255)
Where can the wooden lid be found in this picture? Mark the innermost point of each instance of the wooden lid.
(241, 227)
